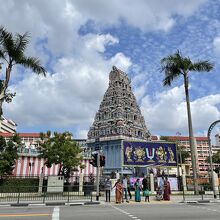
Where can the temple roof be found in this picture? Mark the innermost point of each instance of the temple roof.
(119, 114)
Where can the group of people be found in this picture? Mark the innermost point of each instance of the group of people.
(163, 190)
(123, 189)
(142, 187)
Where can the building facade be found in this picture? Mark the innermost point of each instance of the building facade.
(217, 140)
(7, 125)
(29, 164)
(202, 152)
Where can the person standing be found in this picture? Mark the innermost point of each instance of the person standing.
(125, 188)
(167, 190)
(145, 183)
(108, 187)
(118, 191)
(161, 185)
(137, 186)
(146, 191)
(129, 187)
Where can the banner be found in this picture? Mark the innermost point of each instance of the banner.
(149, 153)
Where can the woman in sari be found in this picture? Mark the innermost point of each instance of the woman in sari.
(137, 186)
(167, 191)
(118, 191)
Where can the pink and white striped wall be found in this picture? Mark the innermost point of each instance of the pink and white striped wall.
(22, 167)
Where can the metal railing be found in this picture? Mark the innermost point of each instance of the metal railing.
(23, 194)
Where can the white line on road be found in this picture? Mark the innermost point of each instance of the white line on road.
(205, 208)
(56, 213)
(126, 213)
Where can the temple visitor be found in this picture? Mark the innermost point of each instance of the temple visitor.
(137, 186)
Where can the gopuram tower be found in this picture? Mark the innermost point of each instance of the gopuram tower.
(118, 118)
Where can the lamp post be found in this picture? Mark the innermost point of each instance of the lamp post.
(210, 156)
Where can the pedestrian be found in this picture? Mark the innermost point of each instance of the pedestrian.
(108, 187)
(118, 191)
(125, 188)
(146, 191)
(145, 183)
(117, 175)
(137, 186)
(146, 194)
(167, 190)
(161, 185)
(129, 187)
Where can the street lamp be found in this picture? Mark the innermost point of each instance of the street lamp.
(210, 155)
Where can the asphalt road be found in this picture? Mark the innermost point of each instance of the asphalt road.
(117, 212)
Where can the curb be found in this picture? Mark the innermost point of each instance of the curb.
(55, 203)
(196, 202)
(49, 204)
(190, 202)
(74, 204)
(204, 201)
(91, 203)
(19, 204)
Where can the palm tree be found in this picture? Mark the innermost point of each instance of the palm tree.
(12, 48)
(175, 66)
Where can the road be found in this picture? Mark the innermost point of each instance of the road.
(113, 212)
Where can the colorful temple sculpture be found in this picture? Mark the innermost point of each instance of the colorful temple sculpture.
(118, 118)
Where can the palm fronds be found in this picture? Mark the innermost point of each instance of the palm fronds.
(174, 65)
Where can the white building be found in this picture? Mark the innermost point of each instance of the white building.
(7, 125)
(217, 140)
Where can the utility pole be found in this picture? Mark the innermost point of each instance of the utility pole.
(97, 176)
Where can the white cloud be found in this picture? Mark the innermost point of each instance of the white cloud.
(167, 113)
(71, 95)
(146, 15)
(216, 45)
(121, 61)
(98, 42)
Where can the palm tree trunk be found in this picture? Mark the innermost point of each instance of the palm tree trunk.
(191, 137)
(1, 104)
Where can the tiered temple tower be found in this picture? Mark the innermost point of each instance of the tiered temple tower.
(117, 119)
(119, 114)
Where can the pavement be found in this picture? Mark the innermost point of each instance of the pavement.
(174, 200)
(110, 211)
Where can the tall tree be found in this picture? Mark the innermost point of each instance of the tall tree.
(216, 157)
(8, 154)
(12, 52)
(174, 66)
(60, 148)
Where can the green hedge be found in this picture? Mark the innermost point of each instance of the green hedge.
(11, 185)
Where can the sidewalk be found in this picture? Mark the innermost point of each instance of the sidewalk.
(175, 198)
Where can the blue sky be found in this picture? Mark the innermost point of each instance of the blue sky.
(79, 41)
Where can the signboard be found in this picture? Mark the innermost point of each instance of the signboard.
(140, 154)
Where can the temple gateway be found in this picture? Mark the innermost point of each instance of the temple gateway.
(118, 118)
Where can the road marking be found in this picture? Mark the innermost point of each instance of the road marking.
(126, 213)
(205, 208)
(23, 215)
(56, 213)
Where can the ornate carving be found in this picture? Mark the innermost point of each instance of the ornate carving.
(118, 113)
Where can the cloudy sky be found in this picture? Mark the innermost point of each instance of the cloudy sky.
(79, 41)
